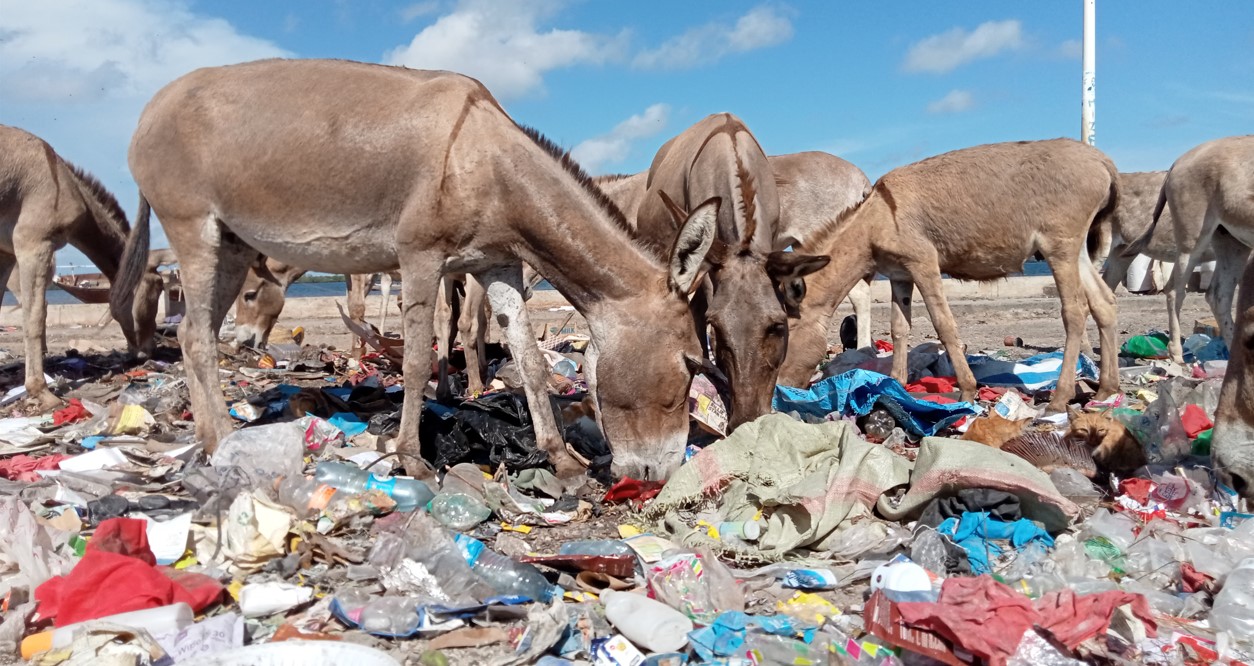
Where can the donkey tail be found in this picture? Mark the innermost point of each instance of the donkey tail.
(132, 266)
(1138, 246)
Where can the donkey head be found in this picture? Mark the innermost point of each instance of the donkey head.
(746, 301)
(651, 358)
(261, 301)
(1233, 443)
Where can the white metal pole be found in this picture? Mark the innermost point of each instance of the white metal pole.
(1089, 93)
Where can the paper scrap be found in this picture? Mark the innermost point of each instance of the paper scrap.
(168, 538)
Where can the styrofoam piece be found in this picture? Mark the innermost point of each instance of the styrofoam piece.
(297, 653)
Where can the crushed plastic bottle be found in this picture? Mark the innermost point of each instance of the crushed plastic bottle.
(591, 547)
(1233, 612)
(878, 425)
(409, 493)
(505, 576)
(458, 511)
(263, 452)
(648, 623)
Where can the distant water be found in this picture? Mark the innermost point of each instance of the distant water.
(338, 289)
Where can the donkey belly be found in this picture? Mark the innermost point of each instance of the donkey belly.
(331, 247)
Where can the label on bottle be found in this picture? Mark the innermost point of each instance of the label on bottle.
(376, 482)
(321, 497)
(470, 548)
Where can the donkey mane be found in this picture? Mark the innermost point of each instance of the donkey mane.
(572, 167)
(611, 177)
(102, 195)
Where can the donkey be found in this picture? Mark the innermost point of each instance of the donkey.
(45, 203)
(978, 214)
(814, 188)
(1232, 449)
(750, 289)
(314, 163)
(1210, 190)
(1138, 193)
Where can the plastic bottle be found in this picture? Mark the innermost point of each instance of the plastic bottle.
(595, 547)
(504, 575)
(879, 425)
(305, 494)
(156, 621)
(408, 492)
(458, 511)
(1233, 611)
(648, 623)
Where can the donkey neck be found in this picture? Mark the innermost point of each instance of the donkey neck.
(849, 241)
(574, 241)
(100, 235)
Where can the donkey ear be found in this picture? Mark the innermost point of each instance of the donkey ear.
(786, 266)
(696, 235)
(678, 214)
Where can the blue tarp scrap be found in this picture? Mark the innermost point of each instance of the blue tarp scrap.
(726, 634)
(977, 534)
(1032, 374)
(857, 392)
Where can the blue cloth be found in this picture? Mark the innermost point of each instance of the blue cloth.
(858, 391)
(976, 533)
(1032, 374)
(350, 423)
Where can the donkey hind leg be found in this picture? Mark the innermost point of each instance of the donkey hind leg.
(1190, 252)
(860, 299)
(420, 289)
(1101, 304)
(214, 264)
(1230, 258)
(358, 288)
(472, 326)
(504, 289)
(34, 271)
(385, 292)
(1064, 263)
(903, 291)
(445, 323)
(927, 278)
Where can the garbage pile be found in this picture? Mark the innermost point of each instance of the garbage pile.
(865, 522)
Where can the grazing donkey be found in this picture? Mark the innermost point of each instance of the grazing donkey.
(351, 167)
(1232, 448)
(45, 203)
(978, 214)
(814, 189)
(1211, 193)
(750, 288)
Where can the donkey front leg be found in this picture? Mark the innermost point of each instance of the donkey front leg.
(358, 288)
(927, 278)
(903, 291)
(504, 289)
(1230, 258)
(1101, 304)
(860, 299)
(1075, 311)
(420, 287)
(33, 271)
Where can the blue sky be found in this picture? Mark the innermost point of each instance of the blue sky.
(879, 83)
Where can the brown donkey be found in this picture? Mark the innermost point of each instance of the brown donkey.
(1210, 190)
(45, 203)
(1232, 448)
(750, 288)
(315, 163)
(978, 214)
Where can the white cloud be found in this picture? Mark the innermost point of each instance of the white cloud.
(78, 72)
(761, 27)
(419, 9)
(615, 146)
(1071, 49)
(956, 101)
(500, 42)
(949, 50)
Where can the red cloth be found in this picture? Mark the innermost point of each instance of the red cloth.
(633, 489)
(22, 467)
(883, 346)
(72, 413)
(116, 575)
(1192, 580)
(988, 619)
(991, 393)
(1194, 420)
(1074, 619)
(933, 385)
(1137, 489)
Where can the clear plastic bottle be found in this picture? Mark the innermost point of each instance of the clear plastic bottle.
(459, 511)
(305, 494)
(879, 425)
(505, 576)
(648, 623)
(409, 493)
(1233, 611)
(594, 547)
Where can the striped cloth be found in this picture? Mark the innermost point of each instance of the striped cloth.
(1029, 375)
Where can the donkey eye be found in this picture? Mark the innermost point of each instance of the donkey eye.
(777, 330)
(250, 296)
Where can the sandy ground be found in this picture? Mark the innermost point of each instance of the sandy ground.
(983, 324)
